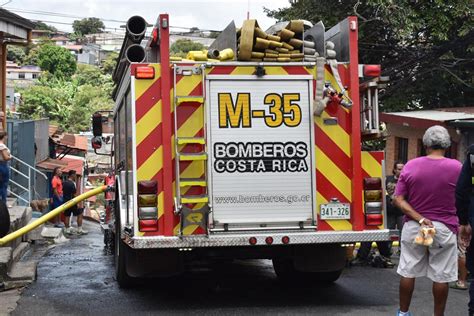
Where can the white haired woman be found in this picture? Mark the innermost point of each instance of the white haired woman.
(425, 194)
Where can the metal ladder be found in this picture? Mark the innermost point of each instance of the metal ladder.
(188, 214)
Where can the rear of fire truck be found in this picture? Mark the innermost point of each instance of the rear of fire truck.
(244, 156)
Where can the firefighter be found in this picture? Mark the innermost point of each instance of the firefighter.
(464, 206)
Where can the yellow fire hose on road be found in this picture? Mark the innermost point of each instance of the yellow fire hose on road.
(43, 219)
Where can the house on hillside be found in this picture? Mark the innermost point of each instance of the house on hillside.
(405, 132)
(27, 72)
(38, 35)
(61, 40)
(18, 77)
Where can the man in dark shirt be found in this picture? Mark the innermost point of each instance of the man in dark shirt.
(394, 214)
(464, 203)
(69, 192)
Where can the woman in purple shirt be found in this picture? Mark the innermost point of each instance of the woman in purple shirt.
(425, 194)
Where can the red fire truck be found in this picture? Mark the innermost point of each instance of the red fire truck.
(244, 158)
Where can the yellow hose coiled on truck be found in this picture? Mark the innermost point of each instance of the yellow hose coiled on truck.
(43, 219)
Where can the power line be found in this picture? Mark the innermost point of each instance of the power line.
(64, 15)
(71, 16)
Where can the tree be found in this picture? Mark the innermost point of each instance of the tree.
(88, 26)
(43, 26)
(182, 46)
(68, 103)
(426, 47)
(56, 60)
(16, 54)
(109, 63)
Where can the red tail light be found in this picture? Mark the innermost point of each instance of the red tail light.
(269, 240)
(148, 225)
(372, 183)
(373, 219)
(252, 240)
(372, 70)
(144, 72)
(96, 142)
(285, 240)
(148, 187)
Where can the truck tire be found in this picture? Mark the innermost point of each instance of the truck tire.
(4, 219)
(286, 272)
(285, 269)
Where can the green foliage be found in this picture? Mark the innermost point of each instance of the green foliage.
(109, 63)
(32, 57)
(88, 26)
(182, 46)
(16, 54)
(70, 103)
(426, 47)
(43, 26)
(56, 60)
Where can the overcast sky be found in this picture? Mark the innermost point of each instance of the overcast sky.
(204, 14)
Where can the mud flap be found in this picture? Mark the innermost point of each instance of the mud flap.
(194, 217)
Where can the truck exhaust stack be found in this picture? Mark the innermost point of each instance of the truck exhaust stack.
(131, 50)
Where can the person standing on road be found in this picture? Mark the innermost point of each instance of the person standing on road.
(70, 191)
(4, 170)
(57, 187)
(394, 214)
(465, 211)
(425, 194)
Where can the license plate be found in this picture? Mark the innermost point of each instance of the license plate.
(335, 211)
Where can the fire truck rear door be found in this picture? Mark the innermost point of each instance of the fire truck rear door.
(260, 145)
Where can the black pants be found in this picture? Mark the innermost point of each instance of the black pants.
(470, 267)
(385, 249)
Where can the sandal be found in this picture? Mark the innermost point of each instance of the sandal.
(458, 286)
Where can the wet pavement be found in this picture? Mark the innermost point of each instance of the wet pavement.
(77, 278)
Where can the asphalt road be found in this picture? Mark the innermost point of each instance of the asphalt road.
(77, 278)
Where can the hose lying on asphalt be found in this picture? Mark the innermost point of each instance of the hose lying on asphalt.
(43, 219)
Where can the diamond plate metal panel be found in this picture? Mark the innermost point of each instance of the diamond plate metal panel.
(233, 240)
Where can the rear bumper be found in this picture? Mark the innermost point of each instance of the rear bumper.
(242, 239)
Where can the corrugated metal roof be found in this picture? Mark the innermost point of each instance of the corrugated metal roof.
(13, 18)
(66, 164)
(73, 141)
(441, 115)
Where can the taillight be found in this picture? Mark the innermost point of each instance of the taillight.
(372, 70)
(373, 195)
(285, 240)
(372, 183)
(144, 72)
(148, 206)
(269, 240)
(96, 142)
(373, 219)
(252, 240)
(373, 198)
